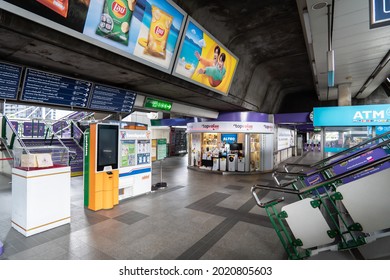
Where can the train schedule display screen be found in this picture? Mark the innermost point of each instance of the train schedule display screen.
(9, 80)
(106, 98)
(43, 87)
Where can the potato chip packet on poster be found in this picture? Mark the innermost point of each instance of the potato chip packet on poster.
(58, 6)
(115, 20)
(158, 33)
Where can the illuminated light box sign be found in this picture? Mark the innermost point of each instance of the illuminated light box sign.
(366, 115)
(157, 104)
(229, 138)
(147, 31)
(9, 80)
(379, 13)
(43, 87)
(205, 61)
(244, 127)
(106, 98)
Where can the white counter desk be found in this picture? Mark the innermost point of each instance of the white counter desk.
(40, 199)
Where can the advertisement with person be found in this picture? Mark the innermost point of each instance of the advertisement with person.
(147, 29)
(203, 60)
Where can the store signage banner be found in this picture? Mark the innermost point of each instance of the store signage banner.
(367, 115)
(244, 127)
(379, 13)
(229, 138)
(133, 134)
(205, 61)
(147, 31)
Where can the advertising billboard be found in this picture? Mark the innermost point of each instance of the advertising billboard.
(204, 61)
(147, 31)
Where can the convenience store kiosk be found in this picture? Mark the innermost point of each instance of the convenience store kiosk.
(250, 150)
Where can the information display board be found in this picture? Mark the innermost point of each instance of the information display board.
(9, 80)
(161, 149)
(204, 61)
(112, 99)
(43, 87)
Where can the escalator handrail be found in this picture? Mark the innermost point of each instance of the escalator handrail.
(313, 187)
(17, 137)
(333, 163)
(340, 153)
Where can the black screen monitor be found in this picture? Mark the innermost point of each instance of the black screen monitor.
(236, 146)
(107, 146)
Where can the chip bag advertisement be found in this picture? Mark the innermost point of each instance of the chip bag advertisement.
(148, 30)
(204, 61)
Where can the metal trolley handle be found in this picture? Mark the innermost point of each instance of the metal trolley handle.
(261, 204)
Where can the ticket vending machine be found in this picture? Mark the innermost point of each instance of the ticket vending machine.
(232, 162)
(101, 174)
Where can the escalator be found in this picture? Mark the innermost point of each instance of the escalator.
(342, 212)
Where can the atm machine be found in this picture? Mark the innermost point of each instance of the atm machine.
(232, 162)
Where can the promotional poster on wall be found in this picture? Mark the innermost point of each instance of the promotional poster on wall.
(128, 153)
(205, 61)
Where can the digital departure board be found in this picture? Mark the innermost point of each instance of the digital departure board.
(9, 80)
(53, 89)
(105, 98)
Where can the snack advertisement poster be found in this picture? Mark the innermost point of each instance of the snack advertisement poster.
(147, 29)
(205, 61)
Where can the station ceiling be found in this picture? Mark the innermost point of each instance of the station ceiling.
(267, 36)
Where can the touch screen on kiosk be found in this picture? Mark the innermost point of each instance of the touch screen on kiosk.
(107, 147)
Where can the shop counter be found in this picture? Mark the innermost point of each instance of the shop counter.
(40, 198)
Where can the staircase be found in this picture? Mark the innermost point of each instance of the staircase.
(76, 156)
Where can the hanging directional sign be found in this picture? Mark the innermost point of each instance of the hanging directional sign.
(157, 104)
(48, 88)
(379, 13)
(9, 80)
(106, 98)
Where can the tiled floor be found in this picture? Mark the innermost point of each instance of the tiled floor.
(198, 216)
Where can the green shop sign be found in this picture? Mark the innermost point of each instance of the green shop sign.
(157, 104)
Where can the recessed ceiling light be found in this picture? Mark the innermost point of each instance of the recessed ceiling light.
(319, 5)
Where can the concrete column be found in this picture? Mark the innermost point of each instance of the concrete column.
(344, 92)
